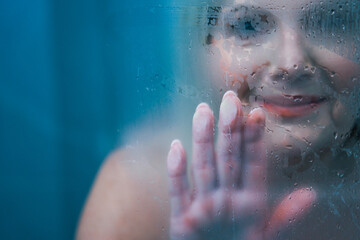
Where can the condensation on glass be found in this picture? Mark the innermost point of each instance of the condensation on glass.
(296, 60)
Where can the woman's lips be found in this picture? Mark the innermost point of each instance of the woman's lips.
(292, 105)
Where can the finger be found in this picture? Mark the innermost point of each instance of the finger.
(203, 165)
(178, 184)
(229, 140)
(291, 208)
(247, 204)
(254, 157)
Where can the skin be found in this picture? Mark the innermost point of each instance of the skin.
(224, 191)
(286, 63)
(230, 202)
(277, 54)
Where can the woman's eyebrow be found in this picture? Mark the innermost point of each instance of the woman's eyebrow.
(331, 15)
(331, 9)
(213, 14)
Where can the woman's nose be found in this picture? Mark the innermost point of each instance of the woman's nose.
(292, 55)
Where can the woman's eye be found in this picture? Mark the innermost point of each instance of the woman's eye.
(248, 24)
(244, 29)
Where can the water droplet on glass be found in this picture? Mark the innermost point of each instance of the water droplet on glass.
(348, 152)
(340, 174)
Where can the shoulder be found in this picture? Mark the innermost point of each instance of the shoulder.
(129, 193)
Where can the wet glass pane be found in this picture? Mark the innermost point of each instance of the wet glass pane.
(274, 152)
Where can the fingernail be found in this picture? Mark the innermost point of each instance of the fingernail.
(228, 109)
(229, 93)
(174, 157)
(202, 119)
(176, 141)
(254, 127)
(258, 115)
(202, 105)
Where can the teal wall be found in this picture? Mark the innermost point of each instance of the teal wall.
(73, 76)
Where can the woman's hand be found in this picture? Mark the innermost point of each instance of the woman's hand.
(228, 198)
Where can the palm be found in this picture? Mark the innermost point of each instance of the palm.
(228, 199)
(215, 216)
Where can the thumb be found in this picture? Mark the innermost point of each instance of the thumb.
(293, 207)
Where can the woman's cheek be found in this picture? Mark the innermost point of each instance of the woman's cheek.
(239, 63)
(345, 73)
(343, 115)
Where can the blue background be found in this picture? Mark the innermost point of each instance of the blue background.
(73, 76)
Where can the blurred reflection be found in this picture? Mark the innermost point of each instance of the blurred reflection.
(283, 163)
(308, 91)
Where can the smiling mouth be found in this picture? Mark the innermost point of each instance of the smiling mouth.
(288, 106)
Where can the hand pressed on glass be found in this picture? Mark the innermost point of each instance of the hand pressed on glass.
(228, 200)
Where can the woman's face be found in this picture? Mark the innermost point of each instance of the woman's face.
(298, 61)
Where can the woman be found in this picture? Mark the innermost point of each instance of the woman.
(284, 165)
